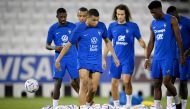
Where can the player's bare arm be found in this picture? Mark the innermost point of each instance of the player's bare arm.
(62, 53)
(143, 45)
(105, 53)
(110, 48)
(175, 27)
(149, 49)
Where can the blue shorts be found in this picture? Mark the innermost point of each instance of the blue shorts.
(116, 72)
(161, 68)
(182, 72)
(90, 67)
(69, 64)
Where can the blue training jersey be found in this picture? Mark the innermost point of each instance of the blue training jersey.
(89, 42)
(184, 24)
(165, 42)
(60, 35)
(123, 39)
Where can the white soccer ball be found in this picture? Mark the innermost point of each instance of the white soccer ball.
(31, 85)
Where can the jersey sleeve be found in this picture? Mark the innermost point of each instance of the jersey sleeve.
(50, 35)
(104, 34)
(137, 33)
(110, 36)
(75, 35)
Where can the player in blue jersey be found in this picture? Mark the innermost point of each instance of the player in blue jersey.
(59, 34)
(123, 32)
(89, 37)
(181, 72)
(82, 15)
(164, 32)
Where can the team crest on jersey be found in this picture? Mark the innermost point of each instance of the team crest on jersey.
(69, 31)
(99, 33)
(127, 31)
(164, 25)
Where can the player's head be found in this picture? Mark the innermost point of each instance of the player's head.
(155, 8)
(172, 10)
(121, 13)
(61, 16)
(82, 14)
(92, 17)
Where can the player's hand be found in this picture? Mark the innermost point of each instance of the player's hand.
(57, 65)
(147, 64)
(58, 48)
(182, 60)
(104, 63)
(117, 63)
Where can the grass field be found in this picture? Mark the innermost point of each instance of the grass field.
(37, 103)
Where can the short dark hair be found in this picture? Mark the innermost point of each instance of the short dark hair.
(61, 10)
(93, 12)
(154, 4)
(83, 9)
(171, 9)
(122, 7)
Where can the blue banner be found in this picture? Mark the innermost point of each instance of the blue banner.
(19, 68)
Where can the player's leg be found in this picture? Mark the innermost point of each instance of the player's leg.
(157, 82)
(115, 73)
(157, 92)
(73, 72)
(56, 92)
(127, 71)
(58, 75)
(169, 95)
(84, 80)
(175, 74)
(167, 69)
(95, 77)
(128, 88)
(184, 70)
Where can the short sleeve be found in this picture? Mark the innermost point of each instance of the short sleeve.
(75, 35)
(50, 35)
(137, 33)
(110, 36)
(104, 34)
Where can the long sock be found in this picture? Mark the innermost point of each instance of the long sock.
(169, 101)
(129, 97)
(55, 103)
(116, 103)
(183, 103)
(176, 98)
(157, 104)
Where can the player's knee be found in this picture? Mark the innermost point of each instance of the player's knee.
(127, 82)
(115, 84)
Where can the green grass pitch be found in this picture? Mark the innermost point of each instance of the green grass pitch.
(37, 103)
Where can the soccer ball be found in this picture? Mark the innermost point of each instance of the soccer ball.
(31, 85)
